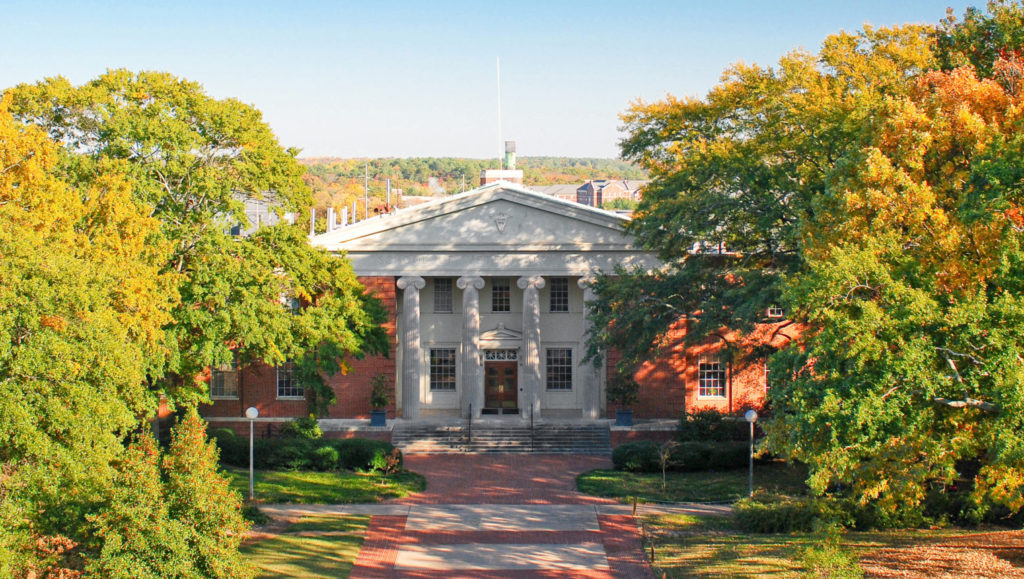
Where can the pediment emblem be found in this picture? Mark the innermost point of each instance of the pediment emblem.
(500, 220)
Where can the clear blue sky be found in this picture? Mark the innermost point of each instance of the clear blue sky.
(402, 79)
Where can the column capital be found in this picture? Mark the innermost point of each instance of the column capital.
(467, 281)
(413, 281)
(533, 281)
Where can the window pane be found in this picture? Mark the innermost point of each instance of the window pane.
(501, 295)
(443, 295)
(711, 376)
(442, 369)
(286, 384)
(224, 381)
(559, 368)
(559, 294)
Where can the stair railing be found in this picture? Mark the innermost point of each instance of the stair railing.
(531, 428)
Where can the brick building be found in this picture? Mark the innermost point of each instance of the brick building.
(488, 293)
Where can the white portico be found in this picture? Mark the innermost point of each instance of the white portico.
(492, 285)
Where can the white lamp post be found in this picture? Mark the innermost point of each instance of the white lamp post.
(251, 413)
(751, 417)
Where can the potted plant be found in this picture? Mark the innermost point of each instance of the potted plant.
(623, 391)
(380, 397)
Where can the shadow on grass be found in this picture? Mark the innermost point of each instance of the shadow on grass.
(307, 487)
(315, 547)
(712, 486)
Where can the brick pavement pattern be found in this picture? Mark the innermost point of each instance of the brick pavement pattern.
(506, 479)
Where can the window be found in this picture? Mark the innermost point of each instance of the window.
(776, 312)
(559, 368)
(287, 387)
(442, 369)
(224, 381)
(501, 295)
(443, 295)
(559, 294)
(711, 376)
(292, 304)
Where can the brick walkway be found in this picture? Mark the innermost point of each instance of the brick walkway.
(450, 533)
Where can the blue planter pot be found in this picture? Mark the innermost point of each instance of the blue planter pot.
(378, 417)
(624, 417)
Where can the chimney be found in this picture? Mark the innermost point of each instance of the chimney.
(510, 156)
(508, 172)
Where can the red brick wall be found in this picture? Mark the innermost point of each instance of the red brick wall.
(353, 387)
(670, 385)
(258, 383)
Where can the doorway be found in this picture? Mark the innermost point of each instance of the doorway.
(501, 388)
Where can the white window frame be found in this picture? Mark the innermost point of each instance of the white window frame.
(494, 287)
(707, 377)
(439, 305)
(454, 369)
(776, 312)
(571, 367)
(223, 372)
(551, 295)
(296, 392)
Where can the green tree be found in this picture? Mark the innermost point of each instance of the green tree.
(871, 189)
(192, 160)
(82, 310)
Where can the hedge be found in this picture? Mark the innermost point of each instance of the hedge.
(644, 456)
(302, 453)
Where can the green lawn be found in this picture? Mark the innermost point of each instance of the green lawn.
(314, 547)
(325, 487)
(728, 485)
(686, 546)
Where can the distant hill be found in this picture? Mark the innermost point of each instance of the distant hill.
(339, 182)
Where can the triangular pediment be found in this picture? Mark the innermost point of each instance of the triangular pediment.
(501, 334)
(498, 229)
(500, 215)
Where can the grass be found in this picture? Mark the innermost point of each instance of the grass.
(694, 546)
(776, 477)
(314, 546)
(307, 487)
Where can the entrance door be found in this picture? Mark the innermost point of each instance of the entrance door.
(501, 385)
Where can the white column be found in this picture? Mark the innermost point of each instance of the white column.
(411, 355)
(590, 375)
(472, 365)
(531, 380)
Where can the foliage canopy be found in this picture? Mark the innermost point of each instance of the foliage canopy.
(874, 191)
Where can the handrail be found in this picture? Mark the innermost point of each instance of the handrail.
(531, 427)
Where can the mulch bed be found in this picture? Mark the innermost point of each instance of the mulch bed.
(993, 554)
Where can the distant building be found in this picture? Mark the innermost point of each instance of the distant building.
(563, 192)
(597, 192)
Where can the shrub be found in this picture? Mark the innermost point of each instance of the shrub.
(305, 454)
(708, 424)
(770, 513)
(643, 456)
(233, 448)
(358, 453)
(306, 427)
(325, 458)
(380, 393)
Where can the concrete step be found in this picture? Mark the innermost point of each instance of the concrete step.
(512, 438)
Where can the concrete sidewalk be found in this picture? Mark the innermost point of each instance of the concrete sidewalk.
(490, 516)
(290, 511)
